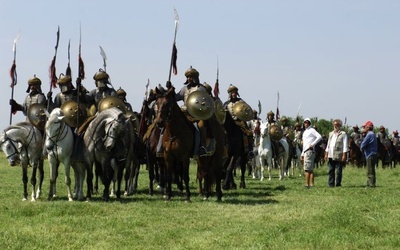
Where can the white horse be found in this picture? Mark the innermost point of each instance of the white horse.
(59, 144)
(265, 152)
(22, 144)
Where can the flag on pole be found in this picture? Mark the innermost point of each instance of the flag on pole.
(277, 109)
(174, 58)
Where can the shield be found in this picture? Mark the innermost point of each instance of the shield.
(74, 117)
(243, 111)
(220, 113)
(111, 101)
(275, 132)
(200, 105)
(37, 115)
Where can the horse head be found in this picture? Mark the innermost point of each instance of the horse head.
(114, 128)
(10, 149)
(54, 127)
(164, 103)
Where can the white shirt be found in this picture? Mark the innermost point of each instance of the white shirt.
(310, 138)
(332, 142)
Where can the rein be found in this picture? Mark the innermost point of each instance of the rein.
(25, 145)
(59, 136)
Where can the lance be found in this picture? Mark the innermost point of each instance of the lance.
(216, 86)
(81, 72)
(174, 54)
(103, 55)
(277, 108)
(298, 113)
(52, 70)
(142, 112)
(259, 108)
(68, 71)
(13, 74)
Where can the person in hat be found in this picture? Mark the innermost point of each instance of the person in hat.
(103, 88)
(191, 85)
(122, 95)
(234, 97)
(336, 153)
(356, 134)
(369, 146)
(382, 135)
(35, 95)
(310, 139)
(396, 138)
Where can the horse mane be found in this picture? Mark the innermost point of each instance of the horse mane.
(100, 119)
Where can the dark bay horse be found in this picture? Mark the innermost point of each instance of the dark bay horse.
(386, 152)
(356, 157)
(177, 139)
(236, 152)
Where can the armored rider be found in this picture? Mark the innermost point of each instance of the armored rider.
(35, 95)
(234, 97)
(193, 84)
(102, 89)
(254, 125)
(381, 134)
(356, 134)
(122, 95)
(274, 129)
(396, 138)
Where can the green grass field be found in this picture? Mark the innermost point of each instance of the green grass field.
(266, 215)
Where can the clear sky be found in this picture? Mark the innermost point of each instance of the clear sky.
(331, 58)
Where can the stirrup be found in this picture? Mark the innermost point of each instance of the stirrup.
(202, 151)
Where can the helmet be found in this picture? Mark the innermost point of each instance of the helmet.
(381, 128)
(220, 113)
(121, 92)
(297, 125)
(74, 117)
(270, 113)
(34, 81)
(111, 101)
(255, 111)
(200, 105)
(284, 120)
(232, 88)
(63, 79)
(192, 72)
(37, 115)
(207, 87)
(275, 132)
(101, 76)
(242, 111)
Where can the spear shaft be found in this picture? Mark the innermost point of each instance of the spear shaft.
(174, 52)
(13, 73)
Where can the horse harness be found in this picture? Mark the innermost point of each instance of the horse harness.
(24, 147)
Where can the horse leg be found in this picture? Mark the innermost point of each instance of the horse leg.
(228, 182)
(25, 181)
(53, 176)
(281, 167)
(33, 181)
(243, 162)
(67, 169)
(269, 165)
(41, 178)
(186, 179)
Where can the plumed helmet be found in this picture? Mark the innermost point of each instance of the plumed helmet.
(37, 115)
(192, 72)
(34, 81)
(232, 88)
(270, 113)
(101, 76)
(200, 105)
(63, 79)
(111, 101)
(121, 92)
(74, 116)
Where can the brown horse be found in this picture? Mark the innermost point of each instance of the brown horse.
(356, 157)
(177, 139)
(386, 152)
(237, 154)
(210, 167)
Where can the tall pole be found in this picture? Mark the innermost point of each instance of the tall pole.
(13, 74)
(174, 50)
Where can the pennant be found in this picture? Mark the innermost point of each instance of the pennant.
(81, 68)
(216, 88)
(174, 58)
(13, 74)
(277, 114)
(52, 73)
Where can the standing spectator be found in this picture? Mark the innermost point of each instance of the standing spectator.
(310, 139)
(336, 153)
(369, 147)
